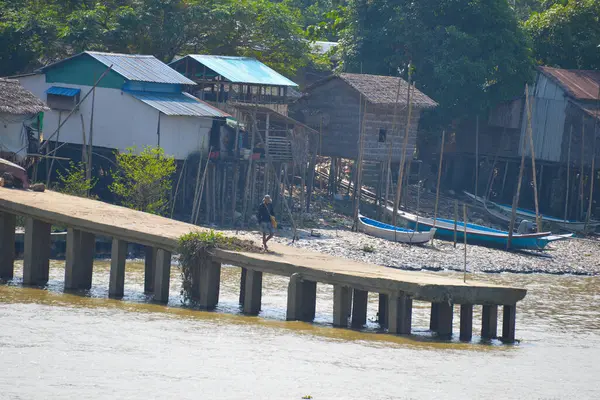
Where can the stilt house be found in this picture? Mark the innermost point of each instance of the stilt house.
(565, 123)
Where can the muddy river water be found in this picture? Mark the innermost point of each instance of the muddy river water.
(65, 346)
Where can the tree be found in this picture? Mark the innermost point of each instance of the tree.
(143, 182)
(567, 35)
(466, 54)
(74, 181)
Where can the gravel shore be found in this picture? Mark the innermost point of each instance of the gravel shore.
(575, 256)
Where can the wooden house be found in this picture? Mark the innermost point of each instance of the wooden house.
(336, 105)
(565, 120)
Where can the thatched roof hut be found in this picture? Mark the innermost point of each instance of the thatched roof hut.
(16, 100)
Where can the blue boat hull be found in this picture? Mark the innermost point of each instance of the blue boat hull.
(500, 242)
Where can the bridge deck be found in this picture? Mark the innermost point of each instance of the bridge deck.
(147, 229)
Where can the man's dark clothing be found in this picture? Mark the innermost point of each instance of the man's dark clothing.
(265, 211)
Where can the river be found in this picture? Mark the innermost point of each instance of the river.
(64, 346)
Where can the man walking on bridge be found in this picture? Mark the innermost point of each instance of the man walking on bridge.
(266, 219)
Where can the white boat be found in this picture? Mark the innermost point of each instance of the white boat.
(393, 233)
(504, 212)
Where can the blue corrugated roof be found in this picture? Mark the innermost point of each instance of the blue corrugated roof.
(242, 70)
(63, 91)
(135, 67)
(182, 104)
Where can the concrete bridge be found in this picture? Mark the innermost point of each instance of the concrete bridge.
(352, 280)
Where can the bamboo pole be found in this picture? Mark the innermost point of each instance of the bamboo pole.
(197, 186)
(177, 186)
(455, 221)
(359, 168)
(91, 137)
(465, 240)
(529, 106)
(248, 177)
(388, 176)
(76, 108)
(437, 190)
(593, 169)
(567, 191)
(202, 187)
(49, 173)
(403, 158)
(515, 203)
(476, 156)
(581, 169)
(84, 145)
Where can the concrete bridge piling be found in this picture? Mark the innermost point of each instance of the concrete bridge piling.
(351, 281)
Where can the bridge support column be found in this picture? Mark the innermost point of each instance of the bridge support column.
(302, 299)
(149, 267)
(489, 322)
(442, 315)
(382, 314)
(117, 268)
(210, 282)
(466, 322)
(342, 305)
(253, 292)
(162, 276)
(360, 299)
(509, 314)
(81, 247)
(7, 245)
(243, 285)
(36, 258)
(433, 317)
(399, 314)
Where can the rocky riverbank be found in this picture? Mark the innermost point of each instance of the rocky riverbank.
(575, 256)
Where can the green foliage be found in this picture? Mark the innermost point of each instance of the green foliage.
(35, 32)
(367, 248)
(195, 248)
(143, 182)
(74, 181)
(466, 54)
(567, 35)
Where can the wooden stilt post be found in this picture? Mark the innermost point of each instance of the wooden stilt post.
(476, 156)
(568, 187)
(581, 190)
(403, 155)
(532, 149)
(439, 177)
(455, 220)
(593, 168)
(515, 203)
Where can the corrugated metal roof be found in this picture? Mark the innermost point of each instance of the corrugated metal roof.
(578, 83)
(134, 67)
(63, 91)
(181, 104)
(141, 68)
(242, 70)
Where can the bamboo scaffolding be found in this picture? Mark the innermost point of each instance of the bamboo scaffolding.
(476, 157)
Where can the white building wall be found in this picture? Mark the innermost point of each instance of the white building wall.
(13, 137)
(121, 121)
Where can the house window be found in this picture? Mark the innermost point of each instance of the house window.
(61, 98)
(382, 135)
